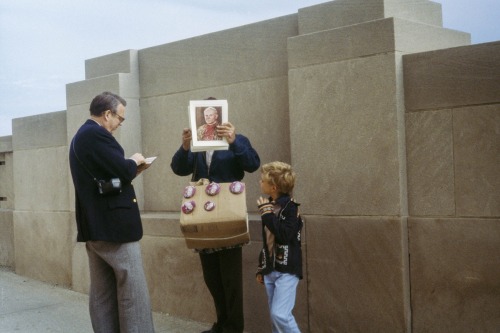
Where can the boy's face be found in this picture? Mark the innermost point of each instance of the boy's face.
(265, 187)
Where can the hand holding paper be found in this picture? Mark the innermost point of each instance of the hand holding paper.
(147, 163)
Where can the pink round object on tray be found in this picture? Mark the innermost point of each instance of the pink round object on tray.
(212, 189)
(189, 191)
(209, 206)
(188, 207)
(237, 187)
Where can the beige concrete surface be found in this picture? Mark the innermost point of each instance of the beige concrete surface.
(31, 306)
(431, 177)
(467, 75)
(5, 144)
(354, 146)
(35, 132)
(374, 37)
(247, 53)
(121, 62)
(6, 238)
(43, 243)
(476, 133)
(358, 274)
(455, 274)
(335, 14)
(41, 179)
(6, 179)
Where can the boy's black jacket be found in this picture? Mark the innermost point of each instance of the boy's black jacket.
(286, 227)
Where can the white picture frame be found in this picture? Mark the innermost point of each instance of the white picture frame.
(204, 136)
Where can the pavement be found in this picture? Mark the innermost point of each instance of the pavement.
(32, 306)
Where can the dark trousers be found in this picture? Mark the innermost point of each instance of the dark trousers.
(222, 272)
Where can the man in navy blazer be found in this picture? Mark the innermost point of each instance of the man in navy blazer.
(110, 225)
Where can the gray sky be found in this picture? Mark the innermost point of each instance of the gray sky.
(44, 44)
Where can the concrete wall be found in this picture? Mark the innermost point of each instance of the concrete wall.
(396, 147)
(43, 230)
(347, 115)
(6, 202)
(453, 145)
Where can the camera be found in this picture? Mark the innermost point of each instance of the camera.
(111, 187)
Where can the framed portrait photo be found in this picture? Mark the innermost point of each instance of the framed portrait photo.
(204, 117)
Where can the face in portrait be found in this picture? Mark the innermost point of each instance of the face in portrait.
(208, 131)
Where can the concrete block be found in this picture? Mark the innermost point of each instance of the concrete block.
(370, 38)
(175, 279)
(250, 52)
(161, 224)
(357, 274)
(121, 62)
(6, 144)
(51, 194)
(411, 37)
(346, 134)
(7, 181)
(420, 11)
(431, 176)
(340, 13)
(164, 117)
(476, 133)
(43, 245)
(39, 131)
(455, 274)
(76, 116)
(6, 238)
(82, 92)
(340, 44)
(452, 77)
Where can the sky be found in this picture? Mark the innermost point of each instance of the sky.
(44, 44)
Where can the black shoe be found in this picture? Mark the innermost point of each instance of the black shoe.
(212, 330)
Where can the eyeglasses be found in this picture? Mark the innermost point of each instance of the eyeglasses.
(120, 118)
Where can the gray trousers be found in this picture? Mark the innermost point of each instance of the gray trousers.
(119, 298)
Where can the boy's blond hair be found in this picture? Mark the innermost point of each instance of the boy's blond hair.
(280, 175)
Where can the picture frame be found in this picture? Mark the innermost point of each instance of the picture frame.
(204, 135)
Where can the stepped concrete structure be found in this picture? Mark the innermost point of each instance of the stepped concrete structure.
(390, 120)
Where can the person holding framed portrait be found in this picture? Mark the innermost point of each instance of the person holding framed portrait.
(222, 267)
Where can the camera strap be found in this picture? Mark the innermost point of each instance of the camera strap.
(83, 165)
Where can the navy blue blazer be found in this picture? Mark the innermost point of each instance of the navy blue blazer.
(227, 165)
(113, 218)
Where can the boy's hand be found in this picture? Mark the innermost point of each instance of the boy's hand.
(259, 278)
(265, 206)
(262, 201)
